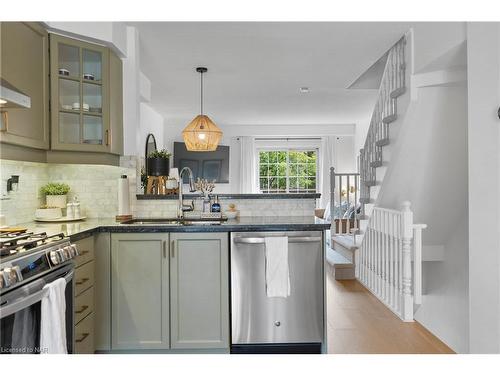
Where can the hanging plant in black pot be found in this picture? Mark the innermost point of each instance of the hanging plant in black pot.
(159, 163)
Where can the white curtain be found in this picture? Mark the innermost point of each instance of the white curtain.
(248, 166)
(327, 160)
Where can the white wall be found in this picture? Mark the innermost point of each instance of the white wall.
(151, 122)
(483, 70)
(433, 41)
(131, 95)
(428, 167)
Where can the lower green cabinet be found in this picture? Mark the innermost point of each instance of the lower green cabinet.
(199, 315)
(139, 291)
(169, 291)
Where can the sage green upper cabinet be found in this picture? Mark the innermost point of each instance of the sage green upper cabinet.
(86, 97)
(79, 95)
(199, 291)
(139, 291)
(24, 63)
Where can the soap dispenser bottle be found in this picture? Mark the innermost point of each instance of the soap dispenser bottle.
(216, 205)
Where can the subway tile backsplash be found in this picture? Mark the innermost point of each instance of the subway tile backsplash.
(96, 187)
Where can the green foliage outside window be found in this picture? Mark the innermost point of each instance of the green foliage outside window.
(283, 171)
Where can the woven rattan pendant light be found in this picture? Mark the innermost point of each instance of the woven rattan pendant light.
(201, 134)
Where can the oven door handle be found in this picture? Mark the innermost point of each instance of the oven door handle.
(22, 303)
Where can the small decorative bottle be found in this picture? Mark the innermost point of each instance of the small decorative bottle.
(76, 208)
(70, 212)
(216, 205)
(206, 203)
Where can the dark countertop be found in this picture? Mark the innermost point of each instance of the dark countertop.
(82, 229)
(235, 196)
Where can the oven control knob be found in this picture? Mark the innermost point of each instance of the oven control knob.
(17, 271)
(9, 277)
(62, 255)
(75, 250)
(5, 277)
(67, 252)
(277, 323)
(54, 257)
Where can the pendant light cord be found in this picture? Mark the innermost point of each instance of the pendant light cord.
(201, 93)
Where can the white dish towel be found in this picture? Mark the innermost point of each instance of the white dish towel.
(277, 271)
(53, 319)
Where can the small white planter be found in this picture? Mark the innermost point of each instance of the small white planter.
(48, 213)
(56, 201)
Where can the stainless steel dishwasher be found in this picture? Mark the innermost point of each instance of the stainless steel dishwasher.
(262, 324)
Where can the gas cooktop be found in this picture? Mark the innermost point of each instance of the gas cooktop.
(15, 244)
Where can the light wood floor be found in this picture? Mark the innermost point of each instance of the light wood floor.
(358, 323)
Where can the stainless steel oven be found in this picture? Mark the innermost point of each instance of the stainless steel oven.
(29, 262)
(20, 314)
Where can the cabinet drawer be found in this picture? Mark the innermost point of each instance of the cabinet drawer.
(84, 304)
(84, 336)
(84, 277)
(86, 251)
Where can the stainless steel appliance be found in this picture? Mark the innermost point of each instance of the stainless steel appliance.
(28, 262)
(261, 324)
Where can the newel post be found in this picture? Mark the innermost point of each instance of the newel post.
(407, 215)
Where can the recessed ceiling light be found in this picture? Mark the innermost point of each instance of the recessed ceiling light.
(304, 90)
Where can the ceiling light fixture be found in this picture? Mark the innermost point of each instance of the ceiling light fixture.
(201, 134)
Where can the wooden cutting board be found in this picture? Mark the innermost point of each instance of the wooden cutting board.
(13, 229)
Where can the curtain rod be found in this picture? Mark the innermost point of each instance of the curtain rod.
(289, 139)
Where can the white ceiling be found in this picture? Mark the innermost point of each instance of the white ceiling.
(255, 69)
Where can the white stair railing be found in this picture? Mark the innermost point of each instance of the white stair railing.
(384, 260)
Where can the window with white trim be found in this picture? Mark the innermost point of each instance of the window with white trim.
(288, 171)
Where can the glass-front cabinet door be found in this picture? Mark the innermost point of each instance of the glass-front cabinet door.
(79, 95)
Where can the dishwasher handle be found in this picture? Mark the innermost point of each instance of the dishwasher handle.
(261, 240)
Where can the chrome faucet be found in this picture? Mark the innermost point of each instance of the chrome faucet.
(182, 207)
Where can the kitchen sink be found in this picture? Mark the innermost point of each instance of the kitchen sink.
(174, 222)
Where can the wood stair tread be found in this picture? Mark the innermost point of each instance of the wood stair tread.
(345, 241)
(337, 260)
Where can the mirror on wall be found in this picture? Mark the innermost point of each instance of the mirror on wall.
(150, 147)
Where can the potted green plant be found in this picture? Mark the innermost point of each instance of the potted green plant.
(55, 194)
(158, 163)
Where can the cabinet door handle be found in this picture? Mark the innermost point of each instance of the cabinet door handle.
(84, 307)
(84, 336)
(107, 137)
(82, 281)
(5, 121)
(164, 249)
(172, 251)
(84, 252)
